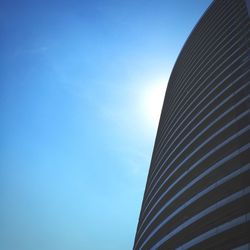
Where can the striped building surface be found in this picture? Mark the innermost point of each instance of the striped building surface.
(197, 194)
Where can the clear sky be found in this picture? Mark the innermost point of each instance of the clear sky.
(81, 88)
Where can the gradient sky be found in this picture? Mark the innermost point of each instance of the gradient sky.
(80, 85)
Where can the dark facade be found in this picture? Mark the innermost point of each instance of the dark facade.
(197, 194)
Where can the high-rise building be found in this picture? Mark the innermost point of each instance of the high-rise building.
(197, 194)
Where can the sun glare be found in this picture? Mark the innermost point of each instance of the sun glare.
(152, 101)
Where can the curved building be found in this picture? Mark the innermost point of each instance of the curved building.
(197, 194)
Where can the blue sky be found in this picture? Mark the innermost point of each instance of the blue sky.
(81, 85)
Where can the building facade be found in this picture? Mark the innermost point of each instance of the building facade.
(197, 194)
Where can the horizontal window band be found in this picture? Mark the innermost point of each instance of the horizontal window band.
(208, 30)
(242, 247)
(159, 194)
(200, 66)
(211, 18)
(171, 198)
(208, 87)
(199, 216)
(199, 63)
(198, 182)
(220, 16)
(202, 109)
(243, 219)
(192, 202)
(188, 133)
(212, 37)
(158, 142)
(203, 131)
(176, 214)
(208, 41)
(155, 196)
(213, 218)
(201, 176)
(184, 117)
(212, 66)
(171, 112)
(215, 155)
